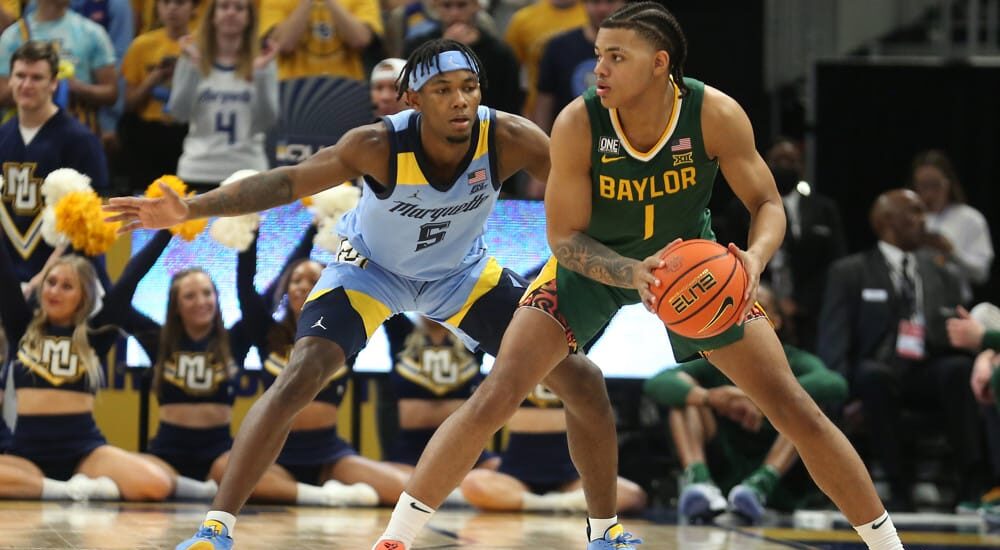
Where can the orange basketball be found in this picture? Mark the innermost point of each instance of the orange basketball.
(701, 288)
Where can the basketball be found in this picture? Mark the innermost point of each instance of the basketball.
(701, 288)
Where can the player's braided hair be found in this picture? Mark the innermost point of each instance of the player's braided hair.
(426, 56)
(656, 24)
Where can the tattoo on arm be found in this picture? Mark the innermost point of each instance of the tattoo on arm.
(586, 256)
(254, 194)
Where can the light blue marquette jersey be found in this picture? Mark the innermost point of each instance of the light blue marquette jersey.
(420, 229)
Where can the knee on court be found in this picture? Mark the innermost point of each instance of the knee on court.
(476, 487)
(154, 485)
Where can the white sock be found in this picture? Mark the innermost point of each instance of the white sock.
(54, 490)
(571, 501)
(225, 518)
(192, 489)
(600, 526)
(310, 495)
(880, 534)
(408, 518)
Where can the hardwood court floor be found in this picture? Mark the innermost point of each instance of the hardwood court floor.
(44, 526)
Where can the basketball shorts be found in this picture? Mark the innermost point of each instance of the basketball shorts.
(307, 452)
(409, 445)
(191, 451)
(354, 296)
(584, 307)
(539, 460)
(56, 443)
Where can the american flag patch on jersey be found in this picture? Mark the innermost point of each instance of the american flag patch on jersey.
(479, 176)
(682, 144)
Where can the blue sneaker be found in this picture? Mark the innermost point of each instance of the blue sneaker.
(212, 535)
(701, 501)
(747, 502)
(615, 538)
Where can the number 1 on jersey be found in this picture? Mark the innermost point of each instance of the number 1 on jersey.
(648, 232)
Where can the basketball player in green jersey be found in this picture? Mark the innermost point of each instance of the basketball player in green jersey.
(614, 200)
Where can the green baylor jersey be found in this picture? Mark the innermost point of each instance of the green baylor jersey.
(641, 201)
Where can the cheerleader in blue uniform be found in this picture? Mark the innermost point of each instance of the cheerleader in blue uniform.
(194, 377)
(56, 373)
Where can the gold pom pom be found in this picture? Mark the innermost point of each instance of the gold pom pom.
(190, 229)
(173, 182)
(80, 218)
(307, 201)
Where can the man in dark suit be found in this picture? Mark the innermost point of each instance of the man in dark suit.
(882, 326)
(814, 239)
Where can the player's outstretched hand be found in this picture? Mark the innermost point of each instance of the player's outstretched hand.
(643, 277)
(141, 212)
(753, 266)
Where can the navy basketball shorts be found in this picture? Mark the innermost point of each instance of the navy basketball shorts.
(352, 299)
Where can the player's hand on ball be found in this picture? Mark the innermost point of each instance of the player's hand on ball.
(753, 266)
(643, 278)
(141, 212)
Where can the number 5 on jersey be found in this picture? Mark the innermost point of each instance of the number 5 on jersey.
(431, 234)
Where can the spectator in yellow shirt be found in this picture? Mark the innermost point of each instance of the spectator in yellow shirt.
(320, 37)
(152, 139)
(530, 29)
(10, 10)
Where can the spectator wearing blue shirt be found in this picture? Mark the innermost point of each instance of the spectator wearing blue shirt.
(83, 45)
(567, 66)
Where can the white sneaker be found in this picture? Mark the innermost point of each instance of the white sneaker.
(570, 501)
(364, 495)
(82, 488)
(358, 494)
(701, 499)
(746, 501)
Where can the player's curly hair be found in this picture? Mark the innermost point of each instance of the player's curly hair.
(426, 56)
(656, 24)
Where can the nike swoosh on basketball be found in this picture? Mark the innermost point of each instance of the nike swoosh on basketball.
(607, 160)
(726, 304)
(418, 508)
(879, 524)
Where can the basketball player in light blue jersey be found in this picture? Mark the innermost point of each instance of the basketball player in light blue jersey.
(414, 243)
